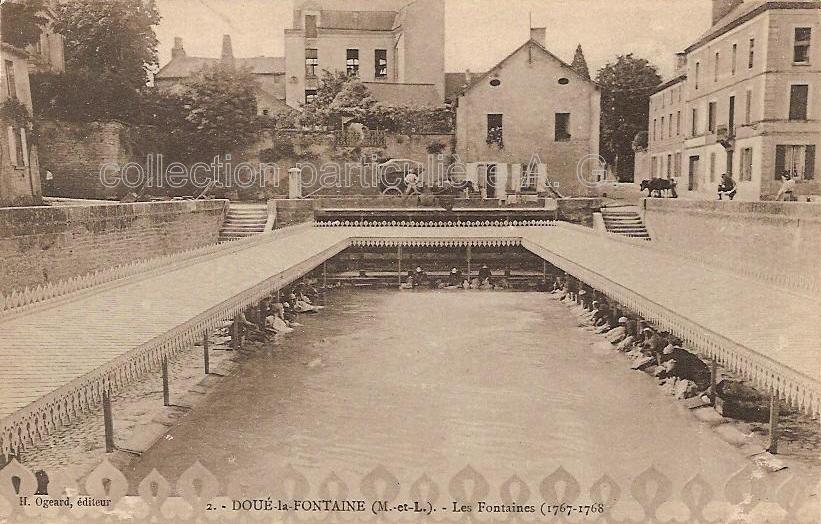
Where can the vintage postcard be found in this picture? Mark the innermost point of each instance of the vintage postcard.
(410, 261)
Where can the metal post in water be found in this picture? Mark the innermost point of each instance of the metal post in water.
(775, 409)
(205, 355)
(108, 422)
(166, 394)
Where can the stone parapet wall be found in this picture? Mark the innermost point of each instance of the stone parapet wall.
(48, 244)
(775, 241)
(291, 212)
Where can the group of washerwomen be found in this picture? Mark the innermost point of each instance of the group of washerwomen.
(657, 352)
(280, 317)
(455, 280)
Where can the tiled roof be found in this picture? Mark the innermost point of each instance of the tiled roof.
(185, 66)
(358, 20)
(420, 95)
(533, 45)
(746, 11)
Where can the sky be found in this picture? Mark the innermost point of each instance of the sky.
(478, 33)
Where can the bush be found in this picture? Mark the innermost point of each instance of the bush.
(435, 147)
(281, 149)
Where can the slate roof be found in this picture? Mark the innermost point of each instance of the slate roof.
(358, 20)
(421, 95)
(747, 11)
(185, 66)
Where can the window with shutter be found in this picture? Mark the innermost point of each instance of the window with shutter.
(798, 101)
(780, 155)
(797, 160)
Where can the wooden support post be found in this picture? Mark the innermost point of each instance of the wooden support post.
(399, 263)
(775, 412)
(713, 380)
(468, 259)
(108, 422)
(205, 355)
(544, 272)
(166, 394)
(235, 344)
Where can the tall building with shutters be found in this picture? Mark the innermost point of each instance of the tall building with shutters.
(752, 103)
(396, 47)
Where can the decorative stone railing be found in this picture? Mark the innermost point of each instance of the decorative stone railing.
(197, 495)
(26, 300)
(433, 223)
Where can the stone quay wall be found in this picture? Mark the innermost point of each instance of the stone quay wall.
(775, 241)
(48, 244)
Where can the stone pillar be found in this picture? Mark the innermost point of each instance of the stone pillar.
(294, 183)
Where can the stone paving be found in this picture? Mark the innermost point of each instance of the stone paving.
(51, 347)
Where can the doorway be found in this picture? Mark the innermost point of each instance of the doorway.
(692, 174)
(487, 180)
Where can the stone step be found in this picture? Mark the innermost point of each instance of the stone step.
(245, 227)
(245, 222)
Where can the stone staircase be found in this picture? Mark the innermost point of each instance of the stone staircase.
(243, 220)
(624, 221)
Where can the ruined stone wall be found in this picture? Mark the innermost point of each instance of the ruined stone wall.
(75, 154)
(42, 244)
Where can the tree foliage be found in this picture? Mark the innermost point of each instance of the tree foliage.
(22, 22)
(106, 37)
(215, 113)
(626, 86)
(110, 48)
(342, 98)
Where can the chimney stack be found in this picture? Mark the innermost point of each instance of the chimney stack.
(681, 63)
(539, 35)
(722, 7)
(227, 51)
(177, 51)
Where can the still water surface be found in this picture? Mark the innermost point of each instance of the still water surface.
(429, 382)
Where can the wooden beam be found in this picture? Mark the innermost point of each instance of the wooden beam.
(166, 392)
(775, 412)
(108, 422)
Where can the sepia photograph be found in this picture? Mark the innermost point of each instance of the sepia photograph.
(410, 261)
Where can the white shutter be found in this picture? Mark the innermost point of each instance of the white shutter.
(25, 145)
(12, 146)
(472, 172)
(501, 180)
(516, 177)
